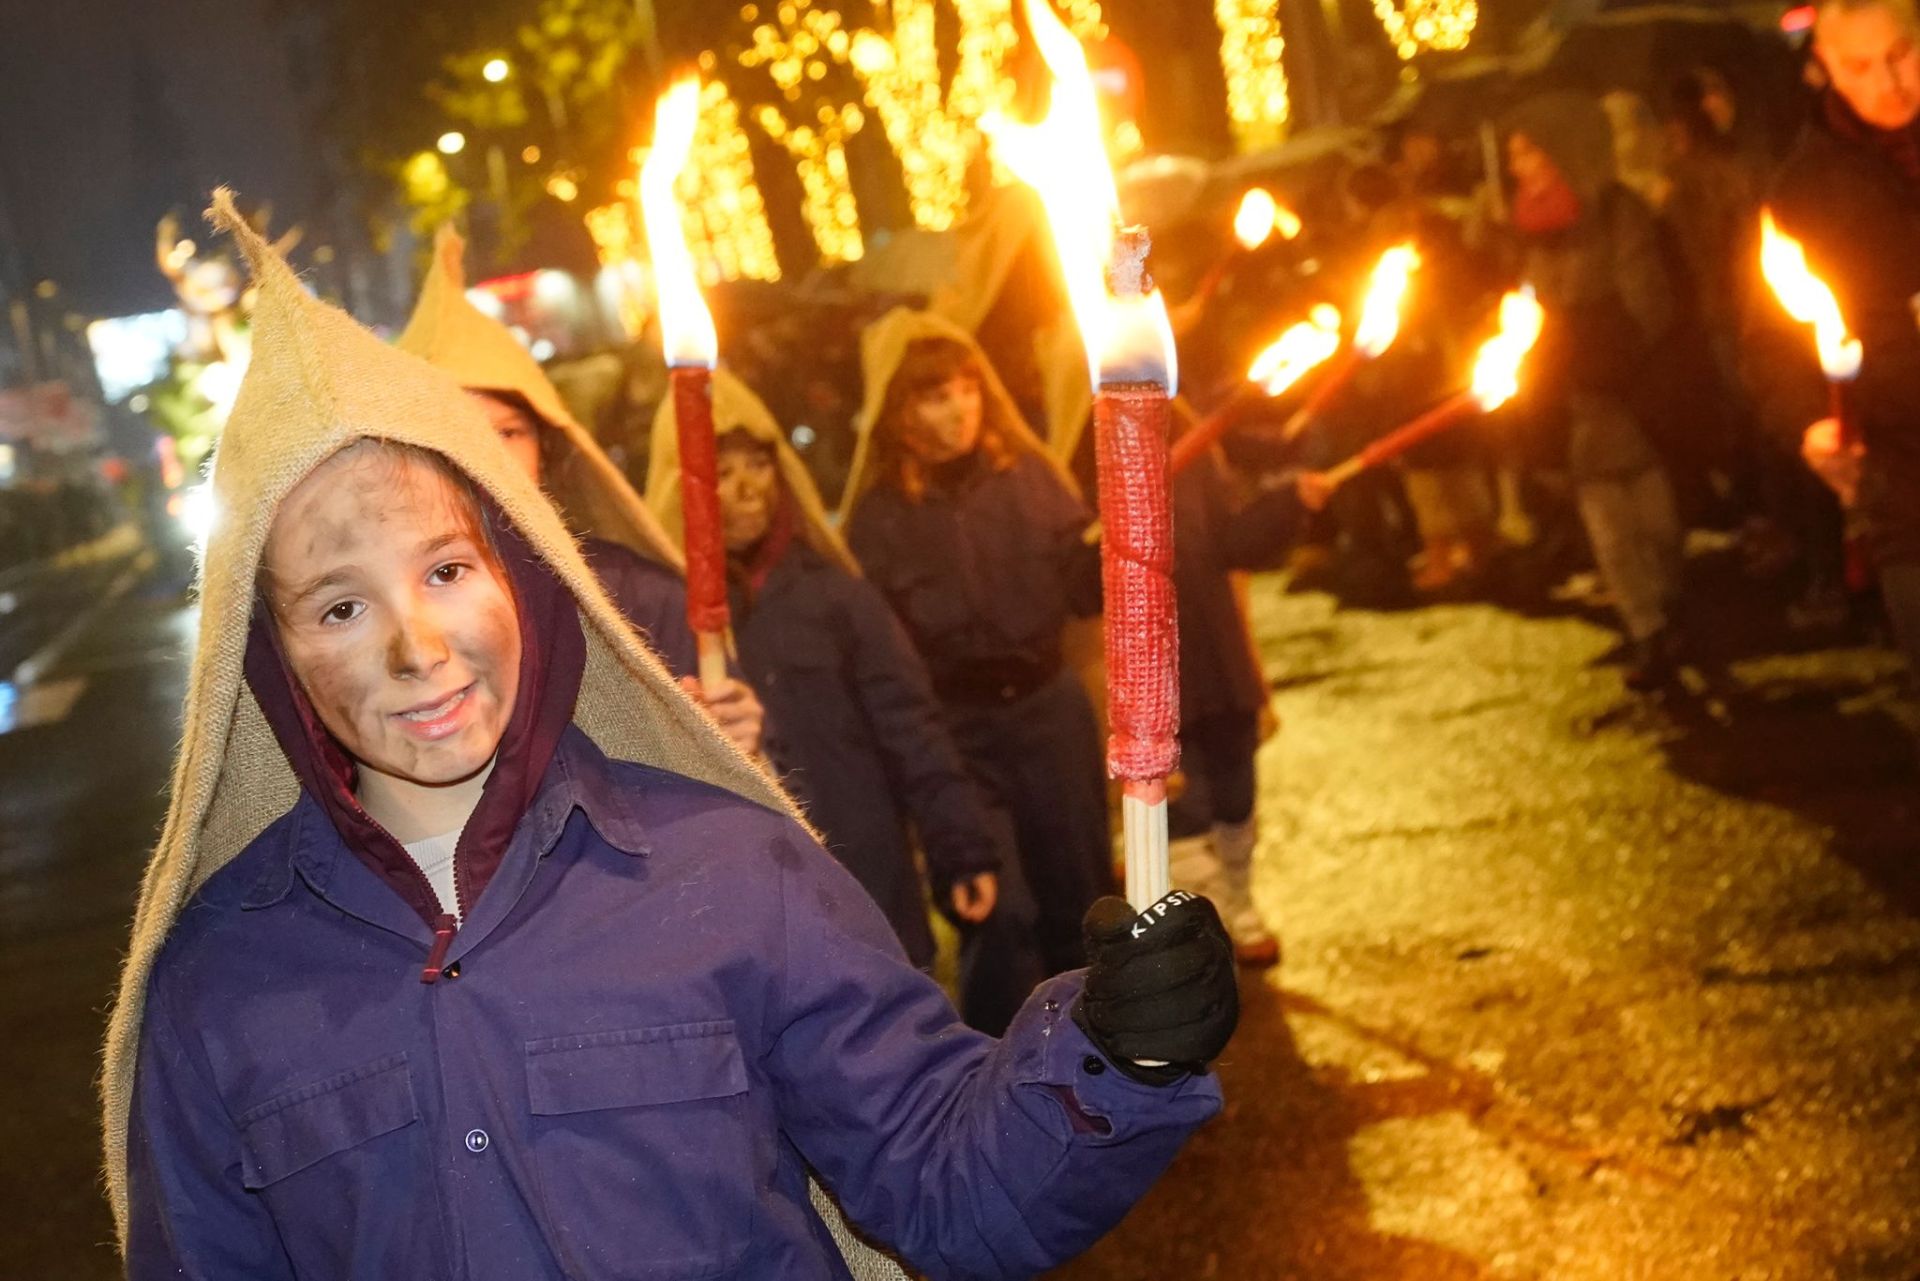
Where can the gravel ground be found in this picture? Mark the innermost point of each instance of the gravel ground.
(1577, 985)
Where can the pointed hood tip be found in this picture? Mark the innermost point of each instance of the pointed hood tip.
(223, 213)
(450, 256)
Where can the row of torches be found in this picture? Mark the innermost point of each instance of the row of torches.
(1132, 363)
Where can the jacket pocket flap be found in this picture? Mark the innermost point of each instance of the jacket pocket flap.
(287, 1134)
(640, 1067)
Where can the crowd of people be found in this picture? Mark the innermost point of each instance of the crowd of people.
(483, 928)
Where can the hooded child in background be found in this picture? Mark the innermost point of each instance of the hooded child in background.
(858, 735)
(974, 534)
(623, 542)
(644, 1003)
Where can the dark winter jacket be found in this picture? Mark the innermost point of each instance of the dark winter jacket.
(665, 1006)
(859, 739)
(1607, 285)
(652, 597)
(1214, 534)
(985, 570)
(1851, 197)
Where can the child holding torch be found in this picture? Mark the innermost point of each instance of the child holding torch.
(632, 556)
(613, 1036)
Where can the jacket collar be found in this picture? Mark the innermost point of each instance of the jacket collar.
(580, 777)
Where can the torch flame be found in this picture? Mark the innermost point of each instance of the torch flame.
(1063, 157)
(1254, 221)
(1380, 313)
(686, 326)
(1259, 216)
(1311, 342)
(1808, 300)
(1496, 373)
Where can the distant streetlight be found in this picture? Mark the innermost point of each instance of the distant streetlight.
(452, 143)
(496, 70)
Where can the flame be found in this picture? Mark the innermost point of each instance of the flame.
(1380, 313)
(1254, 220)
(1063, 157)
(1808, 300)
(1311, 342)
(686, 326)
(1496, 372)
(1260, 215)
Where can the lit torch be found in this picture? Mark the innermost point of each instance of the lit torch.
(1296, 352)
(1130, 352)
(1496, 380)
(1256, 220)
(1379, 326)
(1808, 300)
(691, 348)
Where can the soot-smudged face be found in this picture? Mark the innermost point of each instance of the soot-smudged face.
(749, 487)
(395, 615)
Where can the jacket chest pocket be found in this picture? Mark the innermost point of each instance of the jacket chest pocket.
(643, 1143)
(342, 1166)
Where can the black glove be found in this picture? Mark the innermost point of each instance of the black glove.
(1161, 986)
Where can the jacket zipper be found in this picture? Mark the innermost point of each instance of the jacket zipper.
(444, 928)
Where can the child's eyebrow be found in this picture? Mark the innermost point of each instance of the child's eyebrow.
(332, 578)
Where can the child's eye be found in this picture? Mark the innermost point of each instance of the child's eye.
(343, 612)
(451, 572)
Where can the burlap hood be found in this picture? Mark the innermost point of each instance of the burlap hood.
(318, 383)
(735, 407)
(882, 347)
(450, 333)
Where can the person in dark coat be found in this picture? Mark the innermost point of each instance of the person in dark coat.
(1850, 193)
(1223, 695)
(975, 537)
(636, 1016)
(857, 734)
(1592, 250)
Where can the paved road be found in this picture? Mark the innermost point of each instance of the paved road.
(1575, 987)
(81, 801)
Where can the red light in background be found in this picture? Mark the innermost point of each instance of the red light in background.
(1796, 20)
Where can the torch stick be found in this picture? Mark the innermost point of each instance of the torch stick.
(1331, 384)
(1496, 380)
(691, 347)
(1452, 410)
(707, 612)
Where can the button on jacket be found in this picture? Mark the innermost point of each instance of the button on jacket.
(665, 1006)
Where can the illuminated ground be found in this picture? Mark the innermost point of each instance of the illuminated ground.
(1575, 988)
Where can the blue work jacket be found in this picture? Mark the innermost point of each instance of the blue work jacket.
(667, 1004)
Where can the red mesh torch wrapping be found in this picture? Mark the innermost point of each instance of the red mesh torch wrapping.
(1142, 640)
(706, 549)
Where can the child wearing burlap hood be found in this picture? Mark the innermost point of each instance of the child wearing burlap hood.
(634, 559)
(975, 535)
(644, 1005)
(858, 735)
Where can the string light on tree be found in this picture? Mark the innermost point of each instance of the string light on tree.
(1250, 47)
(1416, 26)
(796, 49)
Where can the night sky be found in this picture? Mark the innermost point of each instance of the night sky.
(112, 111)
